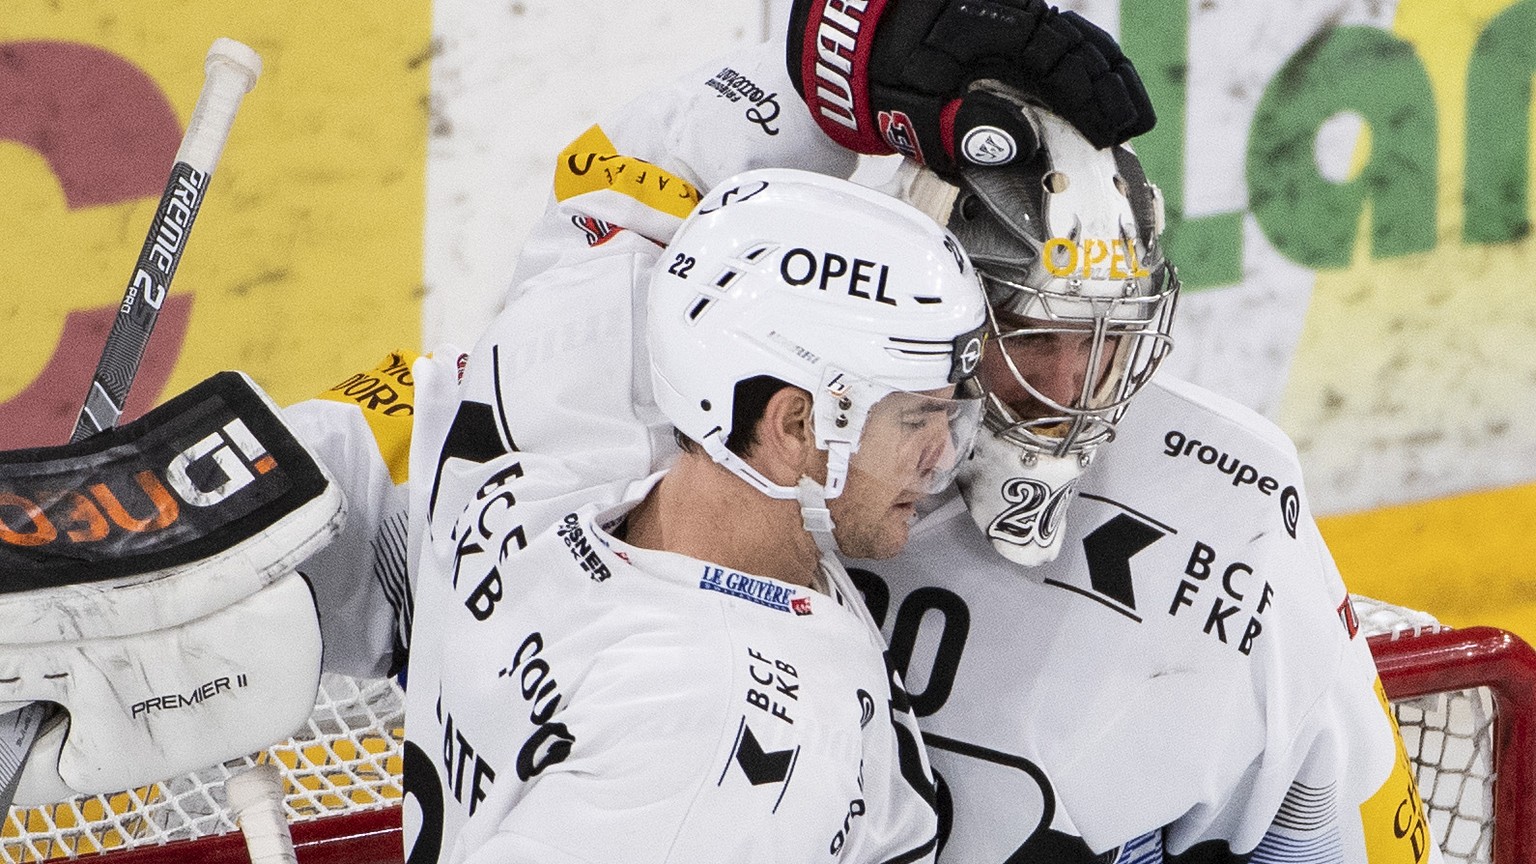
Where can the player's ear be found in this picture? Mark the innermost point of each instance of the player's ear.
(785, 443)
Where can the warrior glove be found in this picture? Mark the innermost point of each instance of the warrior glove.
(887, 76)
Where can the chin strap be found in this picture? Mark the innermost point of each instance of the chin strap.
(714, 445)
(811, 495)
(815, 515)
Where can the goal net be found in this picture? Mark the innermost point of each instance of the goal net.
(1449, 736)
(1460, 699)
(346, 760)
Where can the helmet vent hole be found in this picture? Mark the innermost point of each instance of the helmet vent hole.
(726, 279)
(757, 251)
(1055, 182)
(704, 403)
(698, 308)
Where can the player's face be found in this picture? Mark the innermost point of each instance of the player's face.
(908, 443)
(1032, 361)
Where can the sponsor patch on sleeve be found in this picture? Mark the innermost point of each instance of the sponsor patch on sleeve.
(387, 395)
(596, 231)
(592, 163)
(1348, 618)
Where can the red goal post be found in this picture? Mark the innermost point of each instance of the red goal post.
(1464, 661)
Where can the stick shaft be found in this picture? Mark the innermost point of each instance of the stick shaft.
(231, 70)
(256, 802)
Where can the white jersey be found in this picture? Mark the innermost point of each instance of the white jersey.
(573, 698)
(586, 700)
(1182, 681)
(1186, 676)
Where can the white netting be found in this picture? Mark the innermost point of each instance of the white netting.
(347, 759)
(1449, 737)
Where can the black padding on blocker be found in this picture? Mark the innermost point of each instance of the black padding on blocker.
(178, 485)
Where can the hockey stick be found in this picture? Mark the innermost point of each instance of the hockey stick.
(256, 795)
(230, 69)
(255, 798)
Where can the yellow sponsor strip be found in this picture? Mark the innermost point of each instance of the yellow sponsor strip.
(387, 395)
(591, 163)
(1467, 560)
(1393, 817)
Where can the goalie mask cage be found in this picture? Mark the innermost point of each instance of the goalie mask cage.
(1465, 702)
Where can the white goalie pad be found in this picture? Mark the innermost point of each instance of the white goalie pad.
(155, 705)
(147, 585)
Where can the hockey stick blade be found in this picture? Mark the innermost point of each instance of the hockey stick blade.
(231, 70)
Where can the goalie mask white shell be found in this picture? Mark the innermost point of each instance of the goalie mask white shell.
(839, 290)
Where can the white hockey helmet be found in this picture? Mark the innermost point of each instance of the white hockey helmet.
(1081, 302)
(820, 283)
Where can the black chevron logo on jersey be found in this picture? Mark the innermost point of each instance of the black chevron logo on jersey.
(1107, 553)
(472, 437)
(1109, 549)
(762, 766)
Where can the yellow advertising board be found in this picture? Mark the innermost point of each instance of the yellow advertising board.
(1435, 351)
(305, 262)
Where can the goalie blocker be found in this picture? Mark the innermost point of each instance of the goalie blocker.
(148, 585)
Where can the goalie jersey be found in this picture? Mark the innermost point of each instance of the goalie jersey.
(1187, 677)
(1185, 682)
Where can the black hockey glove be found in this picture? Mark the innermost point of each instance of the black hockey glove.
(897, 76)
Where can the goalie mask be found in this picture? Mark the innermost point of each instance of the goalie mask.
(1080, 304)
(846, 293)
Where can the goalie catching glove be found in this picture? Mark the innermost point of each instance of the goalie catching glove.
(903, 75)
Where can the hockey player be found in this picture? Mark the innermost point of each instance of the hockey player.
(1170, 671)
(670, 668)
(679, 669)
